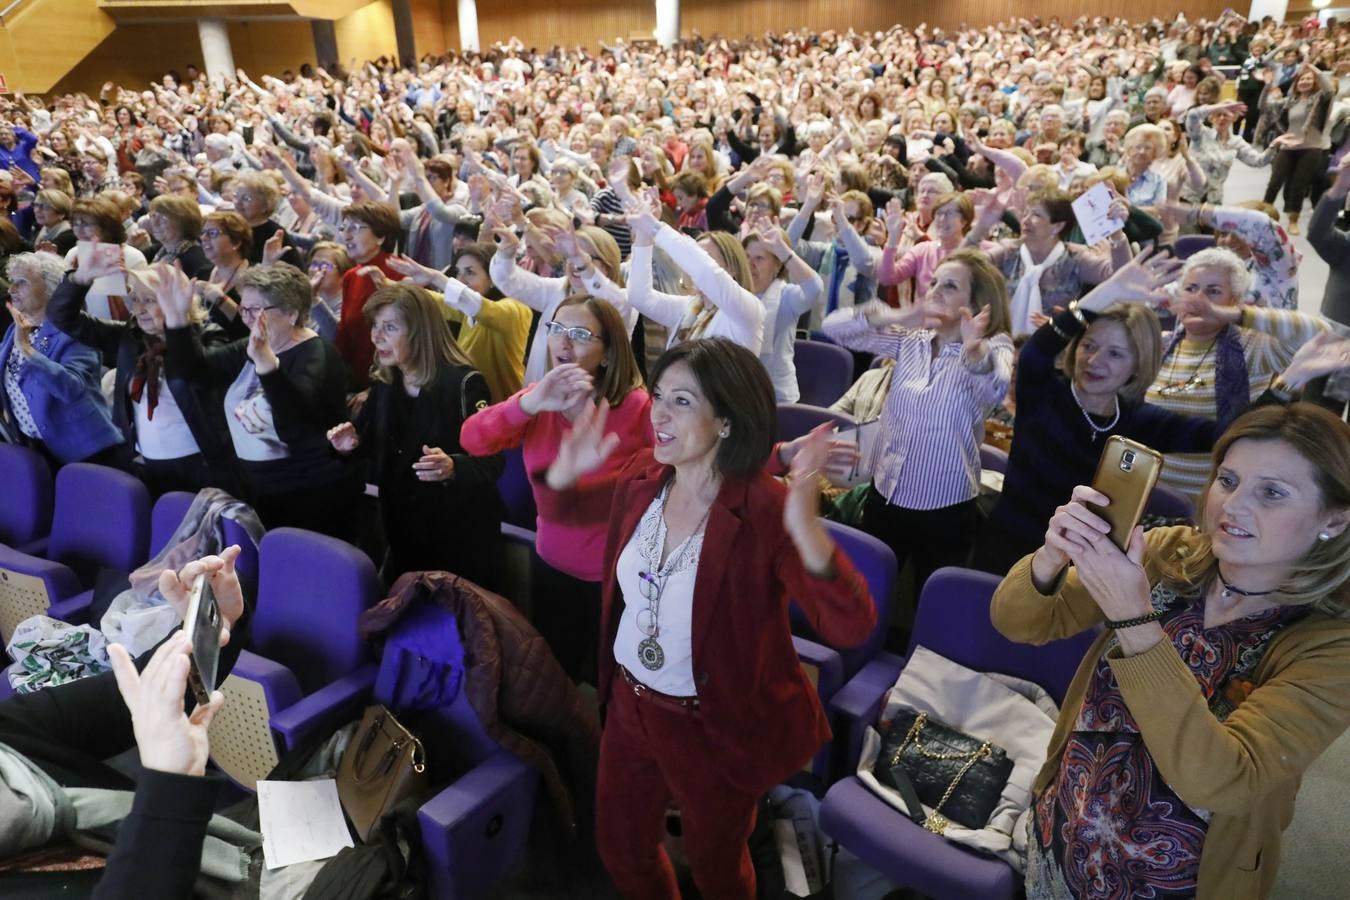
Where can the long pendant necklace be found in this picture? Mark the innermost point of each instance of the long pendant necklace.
(652, 582)
(1172, 386)
(1087, 417)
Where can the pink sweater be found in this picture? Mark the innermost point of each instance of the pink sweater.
(919, 263)
(576, 549)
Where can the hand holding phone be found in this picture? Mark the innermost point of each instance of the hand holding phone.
(202, 625)
(1126, 474)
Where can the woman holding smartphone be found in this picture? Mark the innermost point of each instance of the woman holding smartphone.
(1222, 673)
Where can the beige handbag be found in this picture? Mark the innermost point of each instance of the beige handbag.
(384, 764)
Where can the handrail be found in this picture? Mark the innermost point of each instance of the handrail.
(9, 9)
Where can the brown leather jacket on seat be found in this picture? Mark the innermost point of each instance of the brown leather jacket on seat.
(524, 700)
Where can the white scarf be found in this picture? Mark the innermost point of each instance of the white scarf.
(1026, 299)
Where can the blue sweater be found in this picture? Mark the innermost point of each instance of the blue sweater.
(1054, 450)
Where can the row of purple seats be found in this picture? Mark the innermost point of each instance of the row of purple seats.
(824, 371)
(953, 620)
(100, 522)
(306, 671)
(26, 513)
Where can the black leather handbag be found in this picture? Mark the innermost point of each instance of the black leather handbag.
(959, 777)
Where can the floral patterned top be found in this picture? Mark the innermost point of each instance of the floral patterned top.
(1216, 156)
(1274, 261)
(1110, 826)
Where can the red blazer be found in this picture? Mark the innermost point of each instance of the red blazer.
(755, 701)
(353, 332)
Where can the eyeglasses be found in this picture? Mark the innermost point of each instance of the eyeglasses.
(387, 329)
(576, 335)
(321, 265)
(211, 234)
(251, 313)
(352, 227)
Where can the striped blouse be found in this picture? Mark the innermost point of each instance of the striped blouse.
(1185, 383)
(929, 452)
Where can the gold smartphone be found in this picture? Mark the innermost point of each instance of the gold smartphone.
(1126, 473)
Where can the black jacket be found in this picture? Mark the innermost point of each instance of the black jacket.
(121, 345)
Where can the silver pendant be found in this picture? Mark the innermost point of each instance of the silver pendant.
(651, 655)
(1225, 593)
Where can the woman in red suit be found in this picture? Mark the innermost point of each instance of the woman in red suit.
(707, 704)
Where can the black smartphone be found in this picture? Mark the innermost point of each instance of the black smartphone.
(202, 625)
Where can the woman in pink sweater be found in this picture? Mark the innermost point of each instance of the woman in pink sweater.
(952, 215)
(590, 360)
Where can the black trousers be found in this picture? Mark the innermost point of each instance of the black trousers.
(191, 474)
(929, 538)
(566, 611)
(1299, 173)
(328, 509)
(1246, 126)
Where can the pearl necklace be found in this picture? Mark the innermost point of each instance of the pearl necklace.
(1096, 429)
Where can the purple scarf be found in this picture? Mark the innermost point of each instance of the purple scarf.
(1232, 382)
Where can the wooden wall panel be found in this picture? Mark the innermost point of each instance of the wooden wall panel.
(366, 34)
(137, 54)
(544, 23)
(737, 18)
(428, 26)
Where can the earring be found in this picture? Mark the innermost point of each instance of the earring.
(1324, 535)
(723, 433)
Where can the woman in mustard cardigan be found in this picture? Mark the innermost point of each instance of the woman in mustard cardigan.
(1223, 670)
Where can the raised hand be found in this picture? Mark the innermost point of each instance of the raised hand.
(973, 328)
(642, 223)
(167, 739)
(344, 438)
(561, 388)
(24, 328)
(895, 220)
(584, 448)
(260, 347)
(508, 242)
(415, 272)
(274, 248)
(1139, 281)
(1323, 355)
(174, 296)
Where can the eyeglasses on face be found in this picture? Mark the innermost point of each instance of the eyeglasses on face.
(251, 313)
(388, 329)
(350, 227)
(211, 234)
(321, 265)
(576, 334)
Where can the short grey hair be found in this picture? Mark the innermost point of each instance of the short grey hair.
(47, 268)
(1239, 276)
(940, 179)
(284, 286)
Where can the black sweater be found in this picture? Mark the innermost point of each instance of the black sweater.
(307, 393)
(1054, 450)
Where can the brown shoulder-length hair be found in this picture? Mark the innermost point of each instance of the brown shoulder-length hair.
(431, 346)
(618, 374)
(988, 288)
(1323, 439)
(105, 215)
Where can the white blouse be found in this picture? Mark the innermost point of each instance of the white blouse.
(639, 563)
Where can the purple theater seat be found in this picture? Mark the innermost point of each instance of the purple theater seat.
(796, 419)
(168, 513)
(26, 512)
(953, 620)
(514, 487)
(824, 371)
(1169, 503)
(993, 459)
(1190, 244)
(101, 522)
(478, 825)
(836, 665)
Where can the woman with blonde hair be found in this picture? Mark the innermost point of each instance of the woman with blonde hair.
(439, 504)
(1222, 672)
(725, 304)
(953, 364)
(1111, 349)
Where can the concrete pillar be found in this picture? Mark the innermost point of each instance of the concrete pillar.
(215, 39)
(325, 43)
(403, 31)
(468, 25)
(667, 22)
(1276, 9)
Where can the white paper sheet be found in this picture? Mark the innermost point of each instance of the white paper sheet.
(1092, 210)
(300, 821)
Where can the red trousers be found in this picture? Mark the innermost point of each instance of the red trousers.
(650, 755)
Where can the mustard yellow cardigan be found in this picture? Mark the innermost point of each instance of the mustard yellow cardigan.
(1245, 770)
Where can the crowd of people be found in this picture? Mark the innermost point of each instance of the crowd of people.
(296, 286)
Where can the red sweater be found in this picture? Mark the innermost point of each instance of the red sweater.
(353, 333)
(576, 548)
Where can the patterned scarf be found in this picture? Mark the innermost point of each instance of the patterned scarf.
(146, 375)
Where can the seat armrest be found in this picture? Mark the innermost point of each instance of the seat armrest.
(74, 610)
(476, 828)
(35, 547)
(327, 708)
(858, 703)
